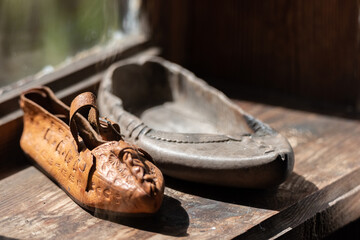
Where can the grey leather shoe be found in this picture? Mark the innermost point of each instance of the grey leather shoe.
(192, 131)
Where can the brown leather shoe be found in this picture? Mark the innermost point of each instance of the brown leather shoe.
(87, 157)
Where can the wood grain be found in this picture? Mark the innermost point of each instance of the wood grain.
(303, 49)
(325, 183)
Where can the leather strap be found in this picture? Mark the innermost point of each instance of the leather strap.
(80, 102)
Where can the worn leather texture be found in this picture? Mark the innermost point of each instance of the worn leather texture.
(193, 131)
(87, 157)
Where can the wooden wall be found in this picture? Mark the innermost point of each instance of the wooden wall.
(305, 50)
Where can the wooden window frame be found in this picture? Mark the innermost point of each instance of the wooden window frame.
(66, 82)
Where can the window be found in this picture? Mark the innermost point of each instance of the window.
(63, 44)
(43, 36)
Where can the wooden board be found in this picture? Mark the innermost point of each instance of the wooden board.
(322, 194)
(301, 49)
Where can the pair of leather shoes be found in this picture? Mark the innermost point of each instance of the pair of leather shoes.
(192, 131)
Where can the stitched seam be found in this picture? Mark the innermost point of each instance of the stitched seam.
(190, 142)
(118, 117)
(131, 122)
(141, 131)
(132, 131)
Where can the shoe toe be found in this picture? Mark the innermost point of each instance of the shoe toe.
(129, 182)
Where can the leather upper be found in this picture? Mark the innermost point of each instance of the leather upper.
(97, 173)
(241, 149)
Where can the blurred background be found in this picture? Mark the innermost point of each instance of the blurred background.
(304, 54)
(39, 35)
(301, 53)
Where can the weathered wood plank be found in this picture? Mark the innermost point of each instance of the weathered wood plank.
(39, 209)
(340, 211)
(327, 170)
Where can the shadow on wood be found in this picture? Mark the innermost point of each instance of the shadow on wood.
(291, 191)
(172, 219)
(6, 238)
